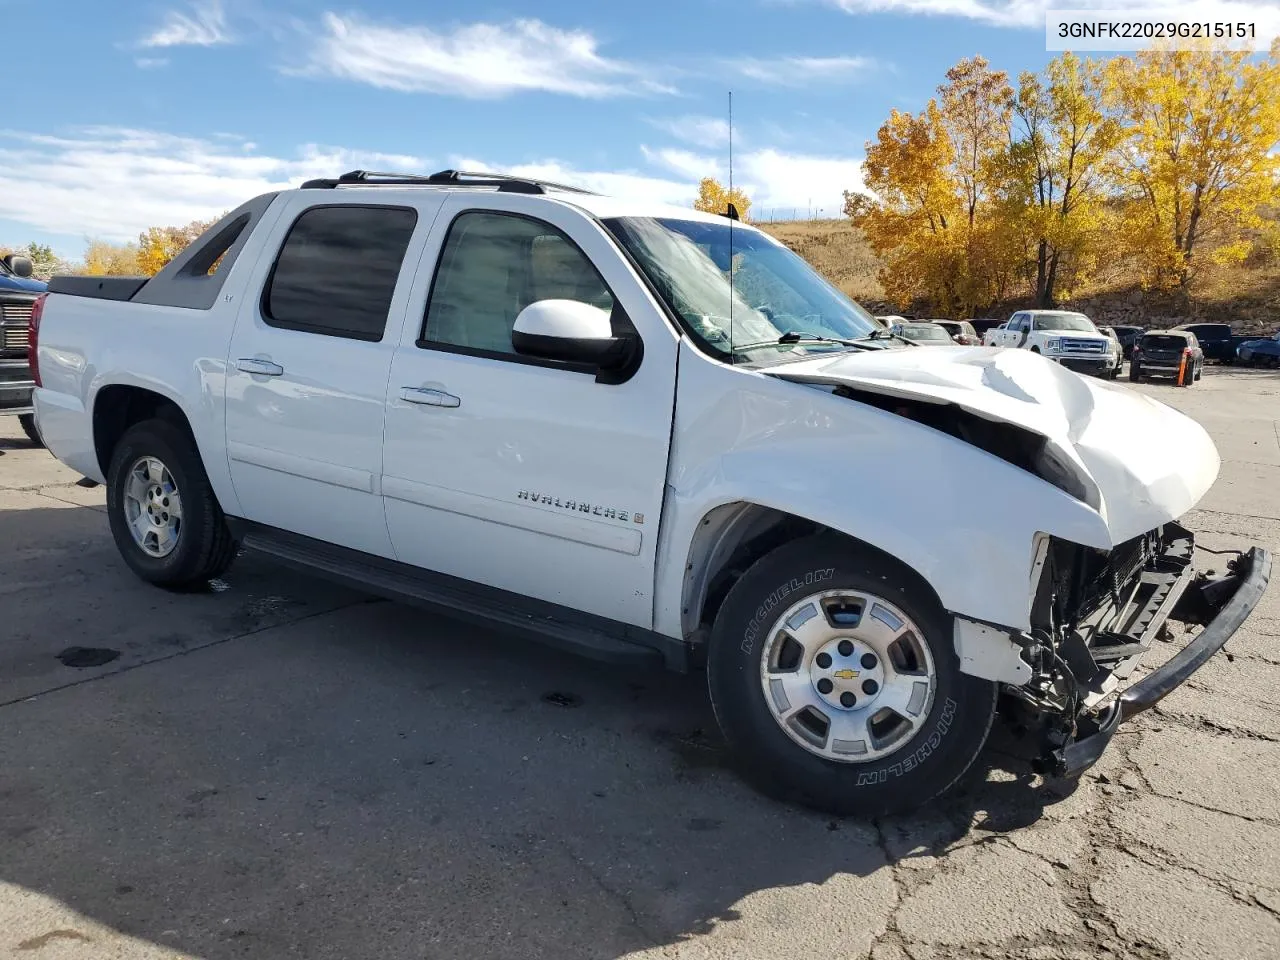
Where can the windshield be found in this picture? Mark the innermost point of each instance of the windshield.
(1065, 321)
(774, 292)
(925, 331)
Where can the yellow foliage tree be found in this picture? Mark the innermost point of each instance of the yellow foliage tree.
(1055, 171)
(913, 213)
(1196, 163)
(104, 259)
(158, 245)
(714, 198)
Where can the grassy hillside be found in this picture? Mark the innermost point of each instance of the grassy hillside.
(1248, 297)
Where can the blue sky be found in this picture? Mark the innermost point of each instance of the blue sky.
(132, 113)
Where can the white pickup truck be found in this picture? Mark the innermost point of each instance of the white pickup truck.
(1064, 336)
(563, 414)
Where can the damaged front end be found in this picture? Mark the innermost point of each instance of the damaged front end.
(1095, 613)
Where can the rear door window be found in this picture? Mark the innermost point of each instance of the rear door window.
(337, 271)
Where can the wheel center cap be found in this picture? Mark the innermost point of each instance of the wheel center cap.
(847, 674)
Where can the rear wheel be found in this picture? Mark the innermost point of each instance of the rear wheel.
(28, 423)
(1135, 373)
(834, 677)
(163, 513)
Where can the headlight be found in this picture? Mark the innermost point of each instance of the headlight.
(1053, 345)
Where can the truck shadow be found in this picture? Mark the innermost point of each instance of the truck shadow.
(358, 778)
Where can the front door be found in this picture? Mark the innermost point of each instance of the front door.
(307, 371)
(516, 473)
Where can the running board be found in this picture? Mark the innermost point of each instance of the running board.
(593, 637)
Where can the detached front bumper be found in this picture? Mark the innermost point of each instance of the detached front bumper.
(1222, 605)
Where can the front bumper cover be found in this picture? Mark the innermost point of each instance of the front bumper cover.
(1222, 605)
(15, 387)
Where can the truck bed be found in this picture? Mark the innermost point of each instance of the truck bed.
(100, 288)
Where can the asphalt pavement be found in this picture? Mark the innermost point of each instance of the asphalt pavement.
(275, 767)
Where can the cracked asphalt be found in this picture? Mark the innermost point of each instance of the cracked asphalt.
(275, 767)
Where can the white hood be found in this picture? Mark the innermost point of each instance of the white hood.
(1147, 462)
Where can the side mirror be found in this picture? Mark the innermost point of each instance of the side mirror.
(573, 332)
(21, 266)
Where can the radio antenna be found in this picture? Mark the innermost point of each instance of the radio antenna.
(733, 215)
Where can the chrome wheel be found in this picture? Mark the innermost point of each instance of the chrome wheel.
(847, 675)
(153, 507)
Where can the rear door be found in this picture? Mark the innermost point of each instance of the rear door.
(308, 363)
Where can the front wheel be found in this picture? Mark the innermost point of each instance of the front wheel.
(28, 423)
(834, 677)
(164, 516)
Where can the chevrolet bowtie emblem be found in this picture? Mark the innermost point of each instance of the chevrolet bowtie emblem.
(845, 674)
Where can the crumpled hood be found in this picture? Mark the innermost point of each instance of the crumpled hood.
(1147, 462)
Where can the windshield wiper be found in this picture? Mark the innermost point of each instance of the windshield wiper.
(792, 336)
(888, 335)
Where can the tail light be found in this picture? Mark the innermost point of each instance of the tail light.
(33, 338)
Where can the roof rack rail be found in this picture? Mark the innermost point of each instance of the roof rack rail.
(445, 178)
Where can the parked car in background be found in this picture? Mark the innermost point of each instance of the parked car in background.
(992, 336)
(1128, 336)
(924, 332)
(1215, 339)
(982, 325)
(1116, 349)
(961, 331)
(890, 319)
(1262, 352)
(18, 293)
(1162, 353)
(1066, 336)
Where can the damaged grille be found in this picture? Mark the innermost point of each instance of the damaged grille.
(1113, 573)
(1078, 581)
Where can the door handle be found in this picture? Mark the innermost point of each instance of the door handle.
(263, 368)
(432, 398)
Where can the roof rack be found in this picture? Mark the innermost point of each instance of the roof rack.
(445, 178)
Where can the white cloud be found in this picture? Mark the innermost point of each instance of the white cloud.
(780, 184)
(795, 183)
(801, 71)
(114, 182)
(1030, 13)
(151, 63)
(478, 60)
(628, 184)
(204, 26)
(701, 131)
(686, 163)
